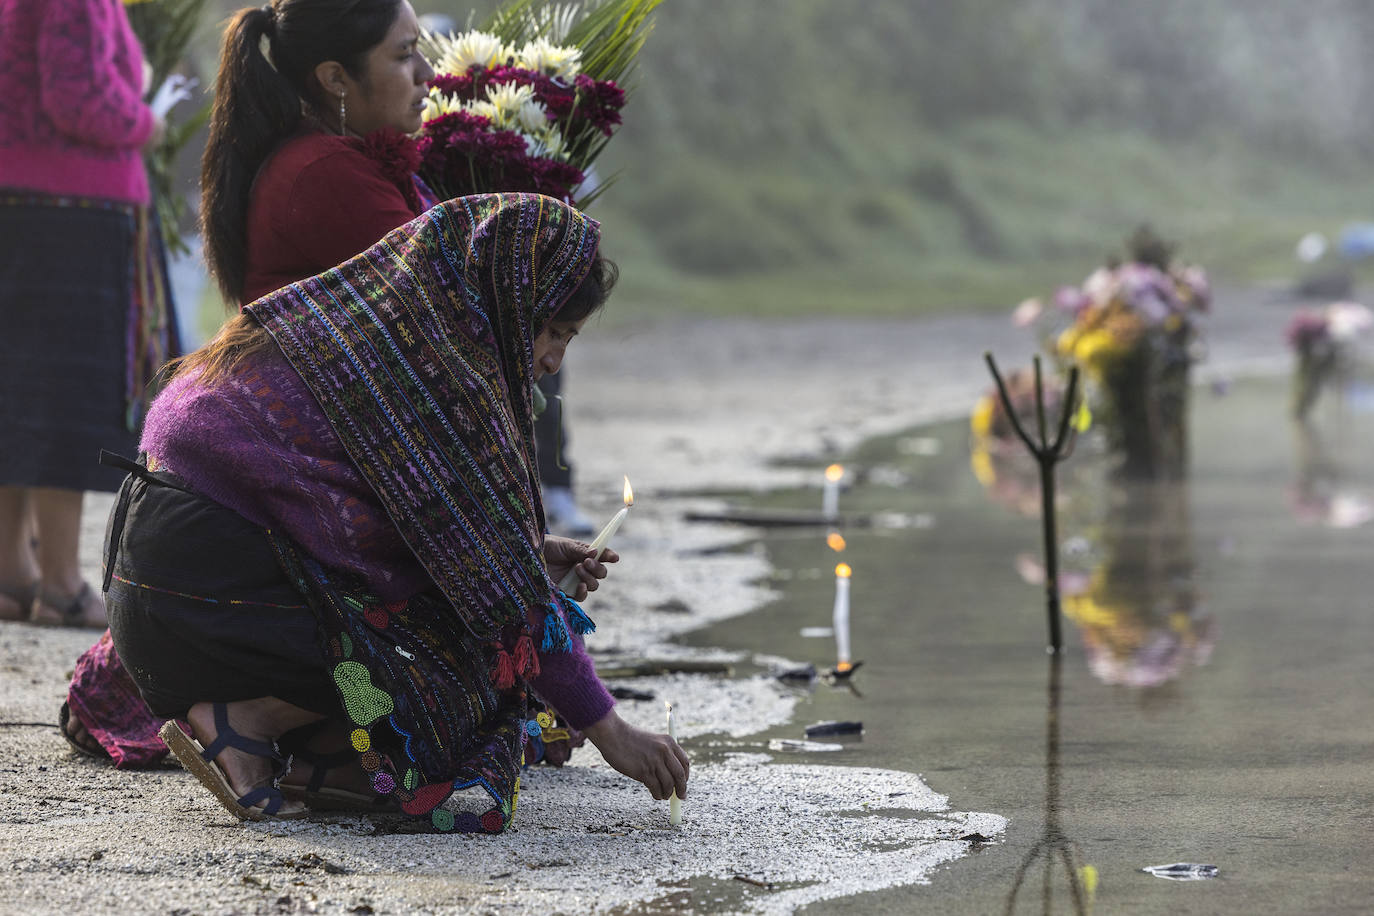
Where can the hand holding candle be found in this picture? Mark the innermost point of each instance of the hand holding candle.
(569, 581)
(674, 803)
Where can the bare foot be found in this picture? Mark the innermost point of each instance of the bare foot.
(84, 609)
(244, 771)
(16, 601)
(78, 737)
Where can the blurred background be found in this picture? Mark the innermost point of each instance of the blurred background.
(897, 157)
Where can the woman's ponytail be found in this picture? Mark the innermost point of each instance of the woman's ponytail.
(255, 109)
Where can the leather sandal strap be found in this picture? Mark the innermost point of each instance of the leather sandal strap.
(227, 737)
(269, 794)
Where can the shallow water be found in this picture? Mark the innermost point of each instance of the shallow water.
(1214, 702)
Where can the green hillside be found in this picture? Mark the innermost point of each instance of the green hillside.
(895, 156)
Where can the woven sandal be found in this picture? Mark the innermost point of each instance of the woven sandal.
(22, 596)
(69, 612)
(200, 763)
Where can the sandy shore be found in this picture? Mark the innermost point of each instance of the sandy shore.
(679, 407)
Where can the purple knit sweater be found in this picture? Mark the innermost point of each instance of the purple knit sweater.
(260, 444)
(72, 121)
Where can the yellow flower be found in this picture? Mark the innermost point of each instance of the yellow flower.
(980, 422)
(981, 463)
(1096, 348)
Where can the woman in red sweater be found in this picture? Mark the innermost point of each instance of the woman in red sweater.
(72, 128)
(309, 161)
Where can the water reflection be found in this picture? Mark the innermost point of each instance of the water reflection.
(1321, 494)
(1137, 609)
(1054, 845)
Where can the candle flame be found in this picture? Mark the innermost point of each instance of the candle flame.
(843, 571)
(629, 496)
(835, 541)
(834, 473)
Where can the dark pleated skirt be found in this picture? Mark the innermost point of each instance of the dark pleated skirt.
(200, 609)
(65, 290)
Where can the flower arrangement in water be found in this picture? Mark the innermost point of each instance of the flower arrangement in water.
(1133, 328)
(528, 103)
(1323, 342)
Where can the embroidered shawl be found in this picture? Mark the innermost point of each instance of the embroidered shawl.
(420, 352)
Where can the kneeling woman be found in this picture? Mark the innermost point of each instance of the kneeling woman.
(336, 547)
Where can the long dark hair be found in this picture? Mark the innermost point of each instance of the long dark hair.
(258, 104)
(591, 293)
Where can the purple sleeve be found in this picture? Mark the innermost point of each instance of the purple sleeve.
(568, 681)
(81, 87)
(261, 446)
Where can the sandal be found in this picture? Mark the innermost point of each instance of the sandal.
(320, 797)
(96, 752)
(22, 596)
(200, 762)
(67, 612)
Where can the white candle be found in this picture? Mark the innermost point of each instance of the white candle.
(569, 582)
(674, 803)
(840, 618)
(830, 496)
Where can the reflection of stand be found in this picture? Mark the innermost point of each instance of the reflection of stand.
(1138, 614)
(1053, 841)
(1319, 495)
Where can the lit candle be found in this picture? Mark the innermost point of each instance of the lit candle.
(830, 496)
(569, 582)
(674, 803)
(841, 617)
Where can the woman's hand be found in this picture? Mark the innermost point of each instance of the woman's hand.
(653, 759)
(562, 554)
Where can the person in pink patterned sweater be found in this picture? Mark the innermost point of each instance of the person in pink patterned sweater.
(72, 128)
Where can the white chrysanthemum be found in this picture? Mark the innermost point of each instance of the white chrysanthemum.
(550, 59)
(462, 51)
(437, 105)
(484, 110)
(532, 118)
(508, 99)
(547, 144)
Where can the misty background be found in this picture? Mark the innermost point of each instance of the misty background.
(900, 156)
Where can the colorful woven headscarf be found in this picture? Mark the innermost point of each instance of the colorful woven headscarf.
(420, 351)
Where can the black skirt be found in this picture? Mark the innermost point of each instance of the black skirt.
(65, 296)
(199, 607)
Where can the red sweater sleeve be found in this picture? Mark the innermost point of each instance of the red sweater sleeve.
(89, 82)
(340, 205)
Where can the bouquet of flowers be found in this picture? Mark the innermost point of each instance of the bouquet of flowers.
(1132, 327)
(528, 103)
(1323, 342)
(165, 29)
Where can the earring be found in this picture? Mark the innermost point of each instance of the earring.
(343, 116)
